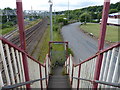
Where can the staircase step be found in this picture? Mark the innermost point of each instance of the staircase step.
(58, 80)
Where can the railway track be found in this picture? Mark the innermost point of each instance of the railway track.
(33, 35)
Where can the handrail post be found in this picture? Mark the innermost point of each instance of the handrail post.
(66, 50)
(78, 77)
(22, 38)
(101, 41)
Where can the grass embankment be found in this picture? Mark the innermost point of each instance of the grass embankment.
(7, 30)
(112, 34)
(32, 23)
(44, 47)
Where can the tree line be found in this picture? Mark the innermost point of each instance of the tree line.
(90, 14)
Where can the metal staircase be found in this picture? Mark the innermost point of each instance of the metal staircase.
(15, 74)
(83, 75)
(19, 70)
(58, 80)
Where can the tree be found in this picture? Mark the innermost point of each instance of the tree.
(113, 11)
(85, 17)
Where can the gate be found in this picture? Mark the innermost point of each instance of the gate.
(58, 52)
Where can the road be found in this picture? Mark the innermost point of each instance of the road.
(82, 45)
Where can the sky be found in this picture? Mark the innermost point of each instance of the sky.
(58, 5)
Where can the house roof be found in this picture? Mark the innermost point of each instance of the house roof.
(113, 14)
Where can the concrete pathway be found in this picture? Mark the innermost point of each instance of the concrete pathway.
(81, 44)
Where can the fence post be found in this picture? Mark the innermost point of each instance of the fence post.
(101, 41)
(22, 38)
(79, 77)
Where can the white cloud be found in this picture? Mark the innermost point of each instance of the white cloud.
(57, 4)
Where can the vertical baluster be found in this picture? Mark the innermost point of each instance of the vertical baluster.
(116, 74)
(111, 67)
(4, 63)
(10, 64)
(19, 66)
(1, 80)
(106, 67)
(103, 67)
(15, 65)
(23, 75)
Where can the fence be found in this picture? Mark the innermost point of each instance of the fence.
(82, 75)
(12, 74)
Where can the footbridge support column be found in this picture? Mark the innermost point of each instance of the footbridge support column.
(101, 41)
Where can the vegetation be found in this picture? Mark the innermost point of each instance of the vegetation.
(8, 22)
(111, 35)
(9, 27)
(44, 46)
(6, 30)
(94, 13)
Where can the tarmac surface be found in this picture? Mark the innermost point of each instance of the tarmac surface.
(82, 45)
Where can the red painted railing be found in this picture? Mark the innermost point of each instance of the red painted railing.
(12, 68)
(82, 75)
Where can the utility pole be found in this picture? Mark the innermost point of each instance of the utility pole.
(51, 28)
(68, 10)
(54, 17)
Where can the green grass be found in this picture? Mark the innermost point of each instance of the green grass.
(44, 46)
(7, 30)
(111, 34)
(32, 23)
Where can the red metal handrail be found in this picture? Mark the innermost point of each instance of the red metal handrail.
(101, 52)
(4, 41)
(89, 59)
(16, 47)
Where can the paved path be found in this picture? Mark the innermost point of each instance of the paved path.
(81, 44)
(58, 81)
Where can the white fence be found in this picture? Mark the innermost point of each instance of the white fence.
(82, 75)
(12, 67)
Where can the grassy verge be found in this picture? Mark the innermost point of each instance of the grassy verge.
(44, 47)
(7, 30)
(32, 23)
(111, 35)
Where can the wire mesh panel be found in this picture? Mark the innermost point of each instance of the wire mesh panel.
(75, 74)
(58, 54)
(34, 72)
(12, 74)
(67, 65)
(43, 76)
(11, 68)
(110, 67)
(87, 72)
(70, 67)
(48, 64)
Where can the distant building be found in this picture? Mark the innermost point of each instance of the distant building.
(113, 19)
(114, 15)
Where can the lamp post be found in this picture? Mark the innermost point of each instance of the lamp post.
(68, 10)
(51, 29)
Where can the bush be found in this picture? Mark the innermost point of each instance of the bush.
(70, 52)
(85, 17)
(65, 22)
(7, 25)
(55, 27)
(62, 20)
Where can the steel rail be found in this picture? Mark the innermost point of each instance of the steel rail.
(99, 82)
(22, 84)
